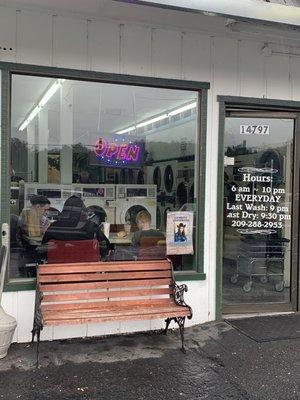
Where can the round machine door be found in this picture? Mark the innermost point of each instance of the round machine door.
(157, 177)
(97, 214)
(129, 215)
(169, 178)
(182, 194)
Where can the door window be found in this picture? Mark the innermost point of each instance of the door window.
(258, 194)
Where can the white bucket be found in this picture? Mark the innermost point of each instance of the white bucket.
(7, 328)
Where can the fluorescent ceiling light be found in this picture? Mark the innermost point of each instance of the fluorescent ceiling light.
(176, 111)
(182, 109)
(44, 100)
(131, 128)
(152, 120)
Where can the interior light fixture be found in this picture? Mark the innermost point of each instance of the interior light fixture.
(152, 120)
(182, 109)
(127, 130)
(176, 111)
(44, 100)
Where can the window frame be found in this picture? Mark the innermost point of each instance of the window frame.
(8, 69)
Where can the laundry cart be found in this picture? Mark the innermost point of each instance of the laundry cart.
(261, 258)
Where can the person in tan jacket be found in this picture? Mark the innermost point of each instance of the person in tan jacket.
(34, 221)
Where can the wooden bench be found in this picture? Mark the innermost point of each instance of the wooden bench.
(83, 293)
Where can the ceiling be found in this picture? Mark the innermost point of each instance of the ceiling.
(96, 107)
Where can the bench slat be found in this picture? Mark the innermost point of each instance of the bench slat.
(106, 294)
(104, 276)
(119, 263)
(52, 287)
(109, 305)
(91, 320)
(101, 267)
(94, 313)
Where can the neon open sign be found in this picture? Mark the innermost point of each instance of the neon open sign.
(119, 151)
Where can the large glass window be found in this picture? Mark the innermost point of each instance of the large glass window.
(95, 170)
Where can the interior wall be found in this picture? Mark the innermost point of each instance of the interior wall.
(233, 64)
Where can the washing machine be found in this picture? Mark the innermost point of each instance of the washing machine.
(185, 183)
(130, 199)
(99, 199)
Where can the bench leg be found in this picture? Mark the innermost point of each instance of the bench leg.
(181, 321)
(37, 322)
(37, 332)
(168, 321)
(37, 348)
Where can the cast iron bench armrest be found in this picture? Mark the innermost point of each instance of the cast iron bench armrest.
(178, 293)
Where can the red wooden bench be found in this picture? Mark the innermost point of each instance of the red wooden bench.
(83, 293)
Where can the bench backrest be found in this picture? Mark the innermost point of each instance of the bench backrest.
(127, 282)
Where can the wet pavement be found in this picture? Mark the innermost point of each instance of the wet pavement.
(220, 363)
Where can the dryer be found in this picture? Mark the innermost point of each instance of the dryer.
(128, 176)
(163, 174)
(99, 199)
(185, 183)
(130, 199)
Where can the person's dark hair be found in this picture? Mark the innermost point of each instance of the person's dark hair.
(39, 200)
(73, 211)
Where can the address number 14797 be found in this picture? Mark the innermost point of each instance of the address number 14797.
(254, 129)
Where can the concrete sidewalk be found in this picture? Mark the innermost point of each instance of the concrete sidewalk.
(221, 363)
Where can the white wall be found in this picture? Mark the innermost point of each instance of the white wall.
(232, 62)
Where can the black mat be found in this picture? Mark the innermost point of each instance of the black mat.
(266, 329)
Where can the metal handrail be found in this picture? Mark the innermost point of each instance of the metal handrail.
(3, 265)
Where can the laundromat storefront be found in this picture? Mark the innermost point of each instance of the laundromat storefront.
(97, 169)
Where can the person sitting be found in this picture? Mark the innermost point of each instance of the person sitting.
(29, 231)
(143, 221)
(34, 221)
(180, 234)
(73, 224)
